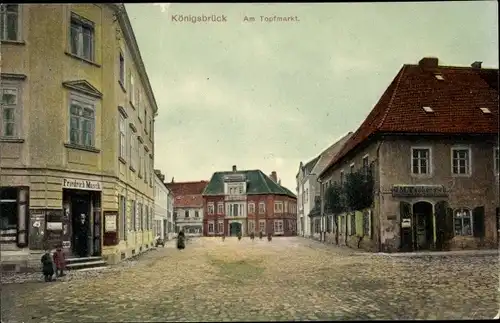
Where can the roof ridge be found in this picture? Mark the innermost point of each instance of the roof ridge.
(265, 180)
(392, 98)
(470, 68)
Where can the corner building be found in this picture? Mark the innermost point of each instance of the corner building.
(76, 134)
(248, 201)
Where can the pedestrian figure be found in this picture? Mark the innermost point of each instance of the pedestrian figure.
(252, 235)
(181, 240)
(47, 266)
(261, 235)
(223, 237)
(59, 261)
(239, 236)
(269, 236)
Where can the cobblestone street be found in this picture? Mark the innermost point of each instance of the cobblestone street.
(286, 279)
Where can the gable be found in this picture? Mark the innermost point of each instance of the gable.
(83, 87)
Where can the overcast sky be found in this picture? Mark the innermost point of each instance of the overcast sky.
(266, 96)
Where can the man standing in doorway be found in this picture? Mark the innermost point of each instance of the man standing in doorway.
(82, 236)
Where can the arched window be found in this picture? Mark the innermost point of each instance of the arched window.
(463, 222)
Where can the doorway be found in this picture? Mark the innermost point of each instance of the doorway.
(80, 223)
(235, 228)
(423, 226)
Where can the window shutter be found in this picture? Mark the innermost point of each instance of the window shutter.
(22, 217)
(478, 222)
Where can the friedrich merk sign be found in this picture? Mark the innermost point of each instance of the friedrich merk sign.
(418, 191)
(80, 184)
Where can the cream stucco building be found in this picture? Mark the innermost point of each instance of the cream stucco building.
(76, 134)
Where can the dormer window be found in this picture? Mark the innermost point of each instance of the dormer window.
(428, 109)
(439, 77)
(485, 110)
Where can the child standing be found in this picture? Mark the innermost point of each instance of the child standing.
(47, 266)
(59, 261)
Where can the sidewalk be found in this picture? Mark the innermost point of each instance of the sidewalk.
(437, 253)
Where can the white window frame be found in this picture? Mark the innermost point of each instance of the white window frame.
(469, 161)
(133, 150)
(455, 217)
(262, 226)
(7, 85)
(285, 206)
(123, 136)
(220, 208)
(278, 227)
(430, 165)
(84, 102)
(131, 97)
(133, 209)
(251, 226)
(211, 227)
(146, 164)
(186, 214)
(251, 208)
(278, 207)
(210, 208)
(122, 205)
(365, 158)
(4, 13)
(220, 226)
(496, 160)
(81, 23)
(262, 207)
(351, 168)
(140, 157)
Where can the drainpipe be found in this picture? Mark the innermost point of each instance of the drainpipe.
(379, 242)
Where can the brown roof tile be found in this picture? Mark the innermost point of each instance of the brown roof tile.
(456, 102)
(187, 194)
(188, 201)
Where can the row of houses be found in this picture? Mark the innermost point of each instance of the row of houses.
(420, 172)
(234, 202)
(76, 136)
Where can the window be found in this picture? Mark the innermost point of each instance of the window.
(211, 227)
(240, 189)
(262, 226)
(307, 195)
(317, 226)
(286, 206)
(141, 158)
(221, 226)
(278, 226)
(210, 208)
(186, 213)
(351, 168)
(463, 222)
(365, 163)
(131, 88)
(461, 159)
(123, 217)
(420, 161)
(123, 138)
(145, 119)
(278, 207)
(82, 37)
(133, 208)
(9, 21)
(251, 226)
(9, 210)
(146, 218)
(341, 177)
(140, 224)
(251, 208)
(152, 170)
(122, 69)
(367, 223)
(196, 214)
(133, 150)
(137, 103)
(496, 155)
(146, 163)
(262, 208)
(82, 121)
(220, 208)
(342, 224)
(11, 111)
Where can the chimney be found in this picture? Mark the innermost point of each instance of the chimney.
(274, 176)
(476, 64)
(173, 180)
(428, 63)
(279, 181)
(234, 168)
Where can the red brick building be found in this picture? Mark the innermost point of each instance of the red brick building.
(188, 206)
(248, 201)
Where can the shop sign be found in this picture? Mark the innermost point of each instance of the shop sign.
(81, 184)
(418, 191)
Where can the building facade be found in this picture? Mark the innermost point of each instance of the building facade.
(163, 219)
(77, 136)
(242, 202)
(188, 206)
(431, 143)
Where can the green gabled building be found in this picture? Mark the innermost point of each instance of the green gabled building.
(248, 201)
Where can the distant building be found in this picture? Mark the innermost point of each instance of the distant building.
(431, 142)
(188, 206)
(245, 201)
(163, 225)
(308, 188)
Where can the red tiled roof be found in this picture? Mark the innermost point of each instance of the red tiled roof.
(187, 194)
(188, 201)
(456, 102)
